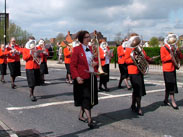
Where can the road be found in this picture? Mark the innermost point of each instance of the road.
(54, 114)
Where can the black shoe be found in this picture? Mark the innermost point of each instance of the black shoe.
(91, 125)
(107, 89)
(83, 120)
(3, 81)
(120, 87)
(33, 98)
(129, 88)
(176, 108)
(101, 89)
(166, 103)
(133, 108)
(139, 112)
(13, 86)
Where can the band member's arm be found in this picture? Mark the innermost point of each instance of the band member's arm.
(165, 55)
(119, 52)
(4, 53)
(26, 55)
(67, 53)
(149, 59)
(74, 64)
(128, 59)
(179, 54)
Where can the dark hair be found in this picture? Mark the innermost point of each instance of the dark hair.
(31, 37)
(81, 35)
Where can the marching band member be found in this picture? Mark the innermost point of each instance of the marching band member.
(3, 61)
(169, 71)
(122, 65)
(105, 57)
(136, 77)
(43, 65)
(67, 60)
(85, 83)
(13, 60)
(32, 67)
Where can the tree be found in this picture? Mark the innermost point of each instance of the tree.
(59, 37)
(154, 42)
(20, 35)
(118, 38)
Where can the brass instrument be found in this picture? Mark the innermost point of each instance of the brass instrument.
(137, 54)
(172, 40)
(31, 44)
(96, 53)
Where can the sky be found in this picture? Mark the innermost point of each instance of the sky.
(48, 18)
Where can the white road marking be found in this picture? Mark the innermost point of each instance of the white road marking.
(8, 130)
(71, 101)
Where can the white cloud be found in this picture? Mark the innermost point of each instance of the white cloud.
(46, 18)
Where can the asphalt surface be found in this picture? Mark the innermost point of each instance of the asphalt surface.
(54, 114)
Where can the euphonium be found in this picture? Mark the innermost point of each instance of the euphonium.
(31, 44)
(137, 54)
(172, 40)
(96, 52)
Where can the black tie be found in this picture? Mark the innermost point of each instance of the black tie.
(87, 49)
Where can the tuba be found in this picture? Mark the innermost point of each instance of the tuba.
(172, 40)
(96, 52)
(137, 54)
(31, 44)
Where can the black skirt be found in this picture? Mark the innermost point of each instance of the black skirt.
(3, 68)
(105, 78)
(14, 68)
(170, 82)
(123, 71)
(82, 94)
(67, 66)
(33, 77)
(137, 81)
(43, 68)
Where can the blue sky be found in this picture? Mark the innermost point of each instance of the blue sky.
(47, 18)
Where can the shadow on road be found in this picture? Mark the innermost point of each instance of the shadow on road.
(112, 117)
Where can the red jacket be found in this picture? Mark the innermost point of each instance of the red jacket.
(121, 55)
(67, 55)
(13, 57)
(166, 59)
(79, 65)
(3, 56)
(30, 64)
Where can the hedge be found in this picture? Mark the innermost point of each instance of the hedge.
(150, 51)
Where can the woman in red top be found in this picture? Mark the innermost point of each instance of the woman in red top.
(67, 60)
(3, 62)
(122, 65)
(14, 60)
(32, 67)
(43, 65)
(136, 77)
(169, 71)
(85, 83)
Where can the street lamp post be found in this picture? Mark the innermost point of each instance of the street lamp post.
(5, 23)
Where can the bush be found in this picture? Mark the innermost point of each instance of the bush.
(150, 51)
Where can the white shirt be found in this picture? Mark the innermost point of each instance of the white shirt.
(89, 58)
